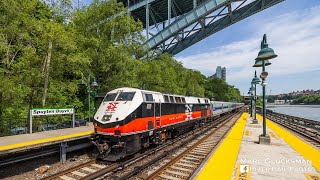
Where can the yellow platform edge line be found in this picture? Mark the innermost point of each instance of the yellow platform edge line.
(13, 146)
(221, 164)
(304, 149)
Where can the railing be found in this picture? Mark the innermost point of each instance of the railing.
(288, 119)
(15, 126)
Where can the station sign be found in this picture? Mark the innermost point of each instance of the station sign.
(44, 112)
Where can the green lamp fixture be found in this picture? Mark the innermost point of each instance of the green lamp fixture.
(264, 54)
(255, 80)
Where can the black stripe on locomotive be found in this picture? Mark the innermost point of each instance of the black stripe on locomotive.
(166, 108)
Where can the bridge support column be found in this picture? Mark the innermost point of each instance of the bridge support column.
(147, 19)
(169, 11)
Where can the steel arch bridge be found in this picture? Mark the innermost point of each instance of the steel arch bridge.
(174, 25)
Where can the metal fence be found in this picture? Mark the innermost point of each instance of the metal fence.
(15, 126)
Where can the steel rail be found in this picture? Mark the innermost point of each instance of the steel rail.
(185, 174)
(136, 170)
(122, 165)
(112, 168)
(293, 128)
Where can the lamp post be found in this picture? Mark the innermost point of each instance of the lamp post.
(254, 82)
(250, 109)
(94, 84)
(251, 97)
(262, 61)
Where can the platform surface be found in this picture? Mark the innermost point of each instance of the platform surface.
(287, 158)
(24, 141)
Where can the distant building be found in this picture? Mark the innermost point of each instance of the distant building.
(221, 73)
(279, 101)
(224, 73)
(301, 93)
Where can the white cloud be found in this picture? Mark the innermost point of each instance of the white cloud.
(294, 36)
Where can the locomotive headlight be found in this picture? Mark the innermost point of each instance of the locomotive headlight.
(106, 118)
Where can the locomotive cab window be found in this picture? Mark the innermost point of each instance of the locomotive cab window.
(199, 101)
(183, 100)
(171, 99)
(149, 97)
(110, 97)
(178, 100)
(126, 96)
(166, 98)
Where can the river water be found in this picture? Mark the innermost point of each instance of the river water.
(305, 111)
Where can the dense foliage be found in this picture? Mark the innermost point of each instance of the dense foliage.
(47, 48)
(312, 99)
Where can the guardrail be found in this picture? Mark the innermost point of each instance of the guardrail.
(13, 126)
(298, 122)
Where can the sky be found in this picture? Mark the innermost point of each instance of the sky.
(293, 31)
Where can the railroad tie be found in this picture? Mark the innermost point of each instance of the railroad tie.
(79, 173)
(89, 169)
(64, 177)
(101, 166)
(165, 176)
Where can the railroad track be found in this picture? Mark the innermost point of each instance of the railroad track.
(186, 160)
(97, 169)
(308, 135)
(79, 172)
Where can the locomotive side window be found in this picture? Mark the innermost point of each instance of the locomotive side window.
(110, 97)
(199, 101)
(178, 100)
(183, 100)
(171, 99)
(126, 96)
(149, 97)
(166, 98)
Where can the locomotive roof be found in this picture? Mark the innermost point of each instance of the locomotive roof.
(163, 93)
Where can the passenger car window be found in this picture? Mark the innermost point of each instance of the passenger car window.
(166, 98)
(149, 97)
(126, 96)
(110, 97)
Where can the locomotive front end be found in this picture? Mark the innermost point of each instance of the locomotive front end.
(109, 123)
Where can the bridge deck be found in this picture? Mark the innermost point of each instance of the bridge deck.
(288, 157)
(10, 144)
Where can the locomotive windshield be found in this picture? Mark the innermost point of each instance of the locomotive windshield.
(126, 96)
(110, 97)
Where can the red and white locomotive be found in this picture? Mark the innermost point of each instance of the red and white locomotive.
(130, 119)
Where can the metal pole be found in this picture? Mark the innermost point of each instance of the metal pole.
(264, 102)
(89, 97)
(194, 3)
(251, 104)
(169, 11)
(30, 122)
(147, 19)
(255, 101)
(73, 118)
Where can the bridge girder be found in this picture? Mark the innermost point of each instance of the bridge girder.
(174, 25)
(195, 35)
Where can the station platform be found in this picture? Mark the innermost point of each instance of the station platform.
(16, 143)
(240, 156)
